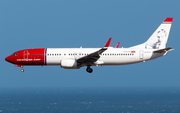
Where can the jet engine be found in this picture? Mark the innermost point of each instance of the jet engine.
(69, 64)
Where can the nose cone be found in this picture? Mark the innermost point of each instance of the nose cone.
(8, 59)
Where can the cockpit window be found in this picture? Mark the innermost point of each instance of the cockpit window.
(15, 54)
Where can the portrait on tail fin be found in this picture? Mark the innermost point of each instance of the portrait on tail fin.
(155, 43)
(159, 38)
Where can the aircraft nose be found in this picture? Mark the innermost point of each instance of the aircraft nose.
(8, 59)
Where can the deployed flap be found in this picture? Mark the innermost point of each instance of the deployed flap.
(162, 50)
(93, 57)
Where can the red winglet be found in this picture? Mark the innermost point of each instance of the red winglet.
(117, 45)
(170, 19)
(108, 42)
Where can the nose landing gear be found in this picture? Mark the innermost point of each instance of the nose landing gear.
(22, 70)
(89, 70)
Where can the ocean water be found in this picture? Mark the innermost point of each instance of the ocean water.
(90, 100)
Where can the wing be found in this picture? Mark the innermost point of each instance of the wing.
(93, 57)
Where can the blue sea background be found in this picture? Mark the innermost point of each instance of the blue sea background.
(90, 100)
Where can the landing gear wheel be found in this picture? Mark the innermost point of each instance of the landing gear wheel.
(89, 70)
(22, 70)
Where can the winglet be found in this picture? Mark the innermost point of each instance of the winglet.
(117, 45)
(108, 42)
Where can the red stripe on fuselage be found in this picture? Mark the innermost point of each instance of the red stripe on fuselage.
(28, 57)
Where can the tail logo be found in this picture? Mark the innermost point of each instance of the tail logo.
(159, 38)
(155, 43)
(161, 34)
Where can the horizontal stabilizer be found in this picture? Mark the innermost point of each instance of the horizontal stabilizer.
(162, 50)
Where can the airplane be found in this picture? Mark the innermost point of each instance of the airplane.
(75, 58)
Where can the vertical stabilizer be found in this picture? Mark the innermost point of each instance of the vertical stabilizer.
(159, 38)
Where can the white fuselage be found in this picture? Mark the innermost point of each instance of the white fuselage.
(112, 56)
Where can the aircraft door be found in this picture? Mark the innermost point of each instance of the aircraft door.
(141, 54)
(25, 54)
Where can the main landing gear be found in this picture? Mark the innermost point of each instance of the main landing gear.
(89, 70)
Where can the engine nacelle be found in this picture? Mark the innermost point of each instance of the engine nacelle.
(69, 64)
